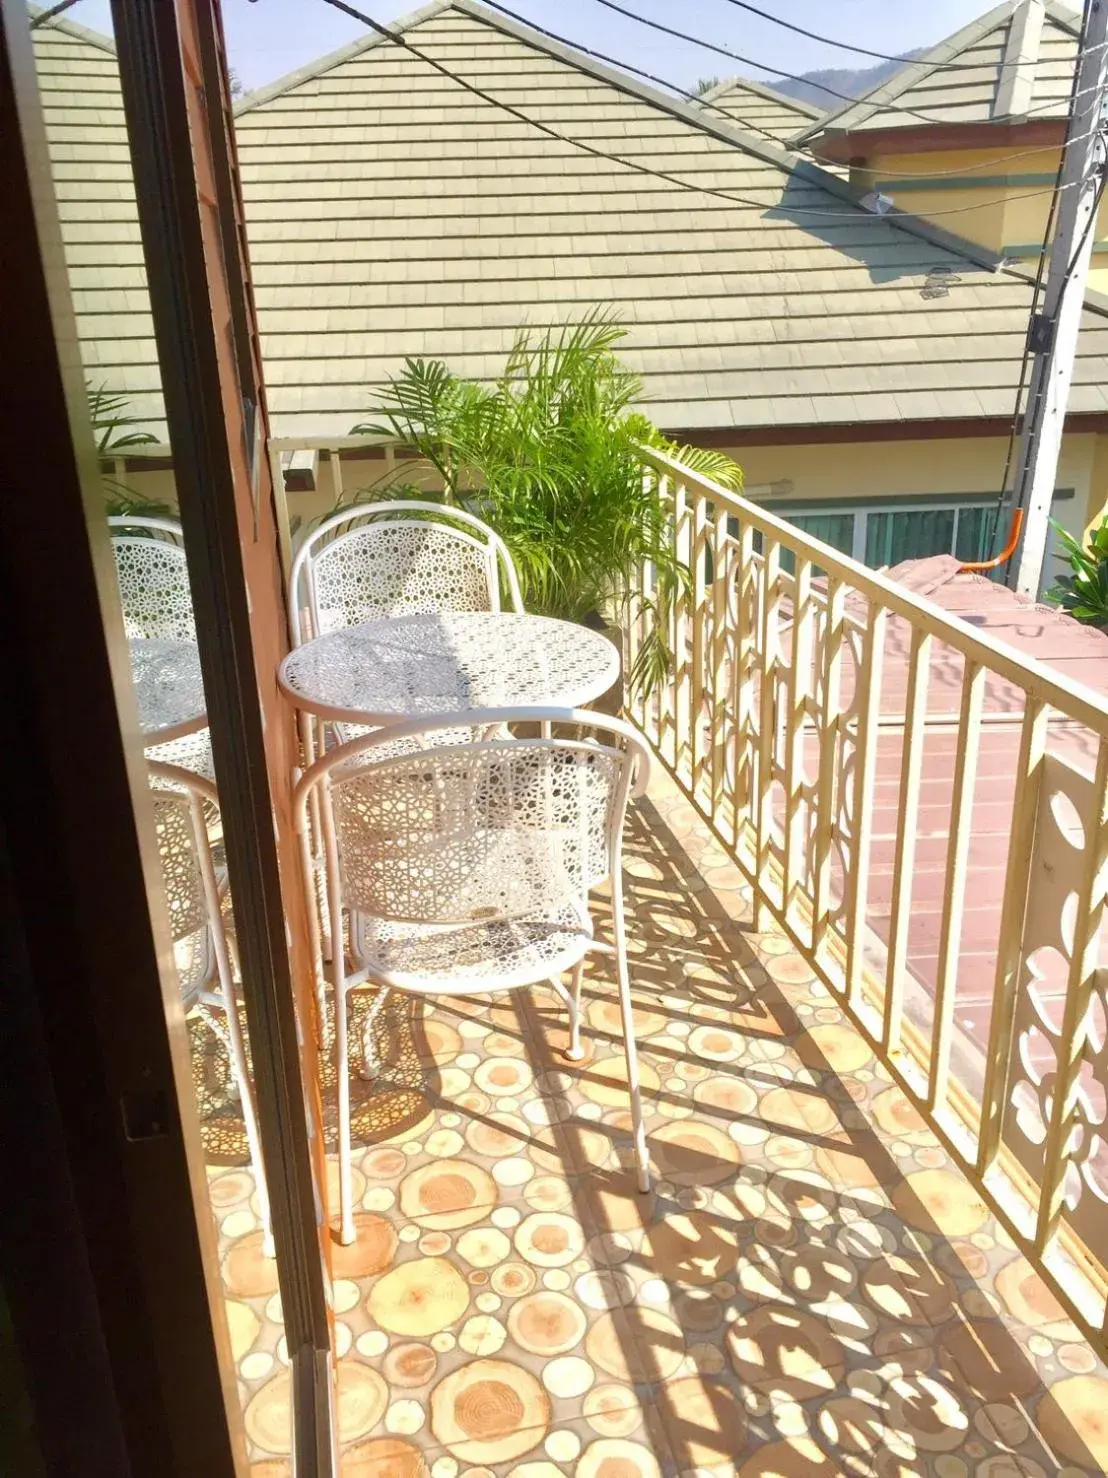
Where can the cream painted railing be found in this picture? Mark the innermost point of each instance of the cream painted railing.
(927, 813)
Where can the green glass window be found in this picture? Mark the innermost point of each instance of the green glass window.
(910, 534)
(836, 529)
(976, 527)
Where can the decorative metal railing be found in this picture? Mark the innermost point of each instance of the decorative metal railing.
(927, 814)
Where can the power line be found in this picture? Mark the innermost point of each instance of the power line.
(728, 114)
(399, 39)
(751, 62)
(1036, 293)
(884, 56)
(48, 15)
(600, 56)
(777, 72)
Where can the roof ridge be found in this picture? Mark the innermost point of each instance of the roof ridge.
(311, 70)
(790, 163)
(761, 89)
(71, 28)
(787, 160)
(1064, 15)
(915, 71)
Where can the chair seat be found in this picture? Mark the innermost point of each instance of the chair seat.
(192, 752)
(483, 954)
(401, 748)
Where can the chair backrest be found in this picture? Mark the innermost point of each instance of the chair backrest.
(153, 578)
(179, 798)
(396, 558)
(500, 827)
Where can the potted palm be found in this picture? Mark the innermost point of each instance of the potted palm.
(1084, 594)
(548, 454)
(112, 423)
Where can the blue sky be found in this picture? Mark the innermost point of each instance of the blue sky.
(268, 38)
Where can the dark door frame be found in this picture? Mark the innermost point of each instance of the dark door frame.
(106, 1237)
(176, 96)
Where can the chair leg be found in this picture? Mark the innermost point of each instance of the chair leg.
(371, 1058)
(342, 1073)
(338, 990)
(249, 1115)
(631, 1051)
(575, 1051)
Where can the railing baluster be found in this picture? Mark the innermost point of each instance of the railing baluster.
(723, 730)
(1028, 782)
(911, 764)
(800, 666)
(679, 626)
(746, 635)
(700, 641)
(767, 717)
(968, 742)
(728, 674)
(661, 700)
(868, 703)
(828, 730)
(1091, 900)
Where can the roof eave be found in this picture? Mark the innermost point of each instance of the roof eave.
(71, 28)
(762, 90)
(323, 64)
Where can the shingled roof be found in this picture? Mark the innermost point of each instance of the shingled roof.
(1015, 62)
(391, 212)
(90, 160)
(760, 109)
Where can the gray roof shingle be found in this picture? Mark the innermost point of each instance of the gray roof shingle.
(391, 212)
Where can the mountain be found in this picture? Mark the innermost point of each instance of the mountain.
(853, 82)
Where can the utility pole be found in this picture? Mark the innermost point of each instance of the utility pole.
(1055, 327)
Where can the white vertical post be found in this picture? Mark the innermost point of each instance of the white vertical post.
(1056, 327)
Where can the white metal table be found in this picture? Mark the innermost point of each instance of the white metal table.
(385, 671)
(169, 688)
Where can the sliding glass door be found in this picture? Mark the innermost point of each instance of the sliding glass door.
(155, 758)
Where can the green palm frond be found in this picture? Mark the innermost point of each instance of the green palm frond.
(110, 418)
(548, 453)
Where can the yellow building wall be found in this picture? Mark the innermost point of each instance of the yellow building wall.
(1006, 211)
(828, 472)
(917, 471)
(1097, 505)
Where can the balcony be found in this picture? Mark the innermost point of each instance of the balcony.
(868, 960)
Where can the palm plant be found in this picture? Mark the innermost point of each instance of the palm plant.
(1084, 594)
(111, 422)
(549, 455)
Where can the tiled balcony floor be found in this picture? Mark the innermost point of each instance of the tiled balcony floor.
(810, 1289)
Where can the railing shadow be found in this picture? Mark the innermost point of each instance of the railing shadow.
(851, 1323)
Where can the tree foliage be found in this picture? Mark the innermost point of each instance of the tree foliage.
(1084, 594)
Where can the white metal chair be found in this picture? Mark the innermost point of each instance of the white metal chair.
(396, 558)
(399, 557)
(200, 946)
(466, 867)
(153, 576)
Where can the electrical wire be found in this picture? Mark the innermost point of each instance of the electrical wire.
(747, 61)
(728, 114)
(1036, 293)
(399, 39)
(883, 56)
(600, 56)
(48, 15)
